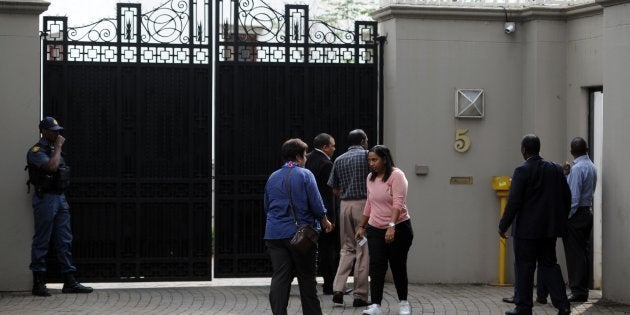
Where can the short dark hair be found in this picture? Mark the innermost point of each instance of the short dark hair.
(531, 144)
(356, 137)
(321, 140)
(579, 146)
(384, 153)
(292, 148)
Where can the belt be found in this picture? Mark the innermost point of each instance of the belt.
(52, 191)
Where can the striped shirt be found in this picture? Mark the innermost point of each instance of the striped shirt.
(349, 172)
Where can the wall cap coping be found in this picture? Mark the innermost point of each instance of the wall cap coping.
(610, 3)
(492, 13)
(35, 7)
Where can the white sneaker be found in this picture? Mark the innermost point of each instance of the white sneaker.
(405, 308)
(373, 309)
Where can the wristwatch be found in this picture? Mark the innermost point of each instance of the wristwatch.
(392, 225)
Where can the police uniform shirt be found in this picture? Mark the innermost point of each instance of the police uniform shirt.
(40, 153)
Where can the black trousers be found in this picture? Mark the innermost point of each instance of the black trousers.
(394, 253)
(527, 253)
(287, 264)
(328, 257)
(576, 249)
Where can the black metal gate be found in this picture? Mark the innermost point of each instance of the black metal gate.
(134, 94)
(279, 75)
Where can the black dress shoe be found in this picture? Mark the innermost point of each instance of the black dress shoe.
(338, 297)
(508, 300)
(564, 312)
(517, 312)
(541, 300)
(577, 298)
(360, 303)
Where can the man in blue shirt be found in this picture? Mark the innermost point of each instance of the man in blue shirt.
(582, 179)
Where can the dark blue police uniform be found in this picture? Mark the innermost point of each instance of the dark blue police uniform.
(51, 213)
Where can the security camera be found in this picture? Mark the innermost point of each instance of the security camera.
(509, 27)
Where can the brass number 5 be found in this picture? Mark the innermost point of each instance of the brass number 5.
(462, 141)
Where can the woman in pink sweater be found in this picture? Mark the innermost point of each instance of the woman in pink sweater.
(387, 226)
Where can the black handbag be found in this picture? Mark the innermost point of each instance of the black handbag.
(305, 239)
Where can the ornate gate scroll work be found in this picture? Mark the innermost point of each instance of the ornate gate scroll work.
(134, 93)
(279, 75)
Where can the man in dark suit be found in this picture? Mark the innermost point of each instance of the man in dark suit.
(319, 162)
(537, 208)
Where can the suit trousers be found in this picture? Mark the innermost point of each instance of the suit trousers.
(527, 253)
(328, 257)
(351, 253)
(577, 248)
(394, 254)
(287, 264)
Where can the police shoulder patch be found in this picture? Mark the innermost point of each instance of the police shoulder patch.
(35, 149)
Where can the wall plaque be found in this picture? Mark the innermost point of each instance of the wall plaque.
(461, 180)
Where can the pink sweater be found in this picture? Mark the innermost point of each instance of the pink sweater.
(383, 196)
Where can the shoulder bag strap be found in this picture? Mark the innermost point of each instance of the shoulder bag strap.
(288, 183)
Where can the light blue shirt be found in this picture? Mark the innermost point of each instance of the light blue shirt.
(582, 180)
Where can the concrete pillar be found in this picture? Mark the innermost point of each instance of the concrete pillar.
(19, 112)
(615, 172)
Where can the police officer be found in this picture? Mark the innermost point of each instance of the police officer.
(50, 176)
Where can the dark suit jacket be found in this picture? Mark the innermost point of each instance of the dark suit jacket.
(319, 163)
(538, 202)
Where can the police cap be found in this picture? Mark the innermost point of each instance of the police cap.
(50, 123)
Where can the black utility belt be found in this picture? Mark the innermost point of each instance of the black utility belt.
(50, 191)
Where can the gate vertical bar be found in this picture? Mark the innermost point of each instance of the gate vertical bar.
(381, 86)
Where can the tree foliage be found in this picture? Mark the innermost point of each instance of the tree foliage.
(343, 13)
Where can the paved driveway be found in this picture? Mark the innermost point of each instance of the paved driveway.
(249, 296)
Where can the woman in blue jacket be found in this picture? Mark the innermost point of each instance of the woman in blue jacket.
(292, 183)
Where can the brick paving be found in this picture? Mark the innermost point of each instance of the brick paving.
(249, 296)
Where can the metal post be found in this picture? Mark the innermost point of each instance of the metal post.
(501, 184)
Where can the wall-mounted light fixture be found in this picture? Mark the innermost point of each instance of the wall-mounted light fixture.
(508, 27)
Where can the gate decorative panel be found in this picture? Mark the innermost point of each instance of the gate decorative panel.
(134, 94)
(279, 75)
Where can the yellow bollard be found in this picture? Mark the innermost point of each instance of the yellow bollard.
(501, 185)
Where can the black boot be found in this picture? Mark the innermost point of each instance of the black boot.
(71, 285)
(39, 284)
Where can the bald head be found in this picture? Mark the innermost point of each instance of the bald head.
(357, 137)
